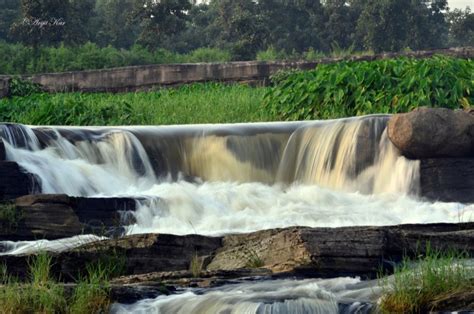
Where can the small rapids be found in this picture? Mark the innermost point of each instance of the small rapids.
(324, 296)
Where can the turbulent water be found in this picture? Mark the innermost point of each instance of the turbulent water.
(339, 295)
(217, 179)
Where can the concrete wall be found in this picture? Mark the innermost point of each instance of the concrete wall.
(145, 77)
(148, 76)
(4, 86)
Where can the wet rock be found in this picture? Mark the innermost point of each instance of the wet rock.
(185, 278)
(50, 216)
(459, 301)
(15, 181)
(141, 254)
(447, 179)
(433, 132)
(3, 154)
(298, 251)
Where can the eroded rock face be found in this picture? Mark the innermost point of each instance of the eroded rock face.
(14, 181)
(308, 252)
(447, 179)
(51, 216)
(433, 132)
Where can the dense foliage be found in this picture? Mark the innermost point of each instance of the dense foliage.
(54, 30)
(386, 86)
(199, 103)
(20, 59)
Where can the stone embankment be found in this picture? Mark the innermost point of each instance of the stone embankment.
(150, 76)
(443, 141)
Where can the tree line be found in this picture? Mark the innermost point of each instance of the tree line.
(239, 27)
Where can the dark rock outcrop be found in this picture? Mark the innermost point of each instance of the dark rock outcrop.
(447, 179)
(327, 252)
(308, 252)
(432, 133)
(460, 301)
(3, 154)
(59, 216)
(15, 182)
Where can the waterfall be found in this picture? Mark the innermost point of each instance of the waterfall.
(351, 155)
(217, 179)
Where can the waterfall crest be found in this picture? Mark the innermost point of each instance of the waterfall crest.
(352, 155)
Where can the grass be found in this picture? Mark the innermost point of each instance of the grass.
(43, 294)
(197, 103)
(416, 284)
(253, 260)
(196, 266)
(10, 216)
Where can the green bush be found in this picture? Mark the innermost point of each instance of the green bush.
(19, 59)
(356, 88)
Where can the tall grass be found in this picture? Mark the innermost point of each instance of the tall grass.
(43, 294)
(415, 284)
(198, 103)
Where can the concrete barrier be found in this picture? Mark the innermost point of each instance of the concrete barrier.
(148, 76)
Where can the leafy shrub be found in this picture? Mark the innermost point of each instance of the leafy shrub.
(208, 55)
(19, 87)
(356, 88)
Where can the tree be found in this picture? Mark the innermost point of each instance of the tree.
(113, 23)
(461, 27)
(160, 19)
(243, 27)
(294, 25)
(9, 13)
(391, 25)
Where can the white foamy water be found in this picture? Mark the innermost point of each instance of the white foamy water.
(339, 295)
(217, 208)
(61, 245)
(246, 177)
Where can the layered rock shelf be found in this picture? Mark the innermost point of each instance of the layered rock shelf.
(308, 252)
(59, 216)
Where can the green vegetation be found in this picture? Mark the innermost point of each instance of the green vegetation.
(21, 59)
(10, 216)
(418, 283)
(386, 86)
(253, 260)
(42, 294)
(196, 265)
(330, 91)
(199, 103)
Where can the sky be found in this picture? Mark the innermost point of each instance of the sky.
(460, 4)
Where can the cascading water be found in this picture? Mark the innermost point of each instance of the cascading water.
(217, 179)
(339, 295)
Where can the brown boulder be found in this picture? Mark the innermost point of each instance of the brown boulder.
(433, 132)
